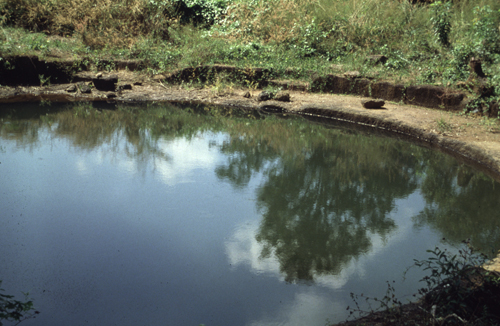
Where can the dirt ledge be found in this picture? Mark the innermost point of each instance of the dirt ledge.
(475, 140)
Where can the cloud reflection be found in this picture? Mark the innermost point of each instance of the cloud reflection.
(244, 249)
(307, 308)
(186, 156)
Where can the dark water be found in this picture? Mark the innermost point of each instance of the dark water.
(166, 216)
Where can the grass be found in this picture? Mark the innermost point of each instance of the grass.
(424, 44)
(443, 125)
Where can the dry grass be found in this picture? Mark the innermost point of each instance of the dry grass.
(103, 23)
(275, 21)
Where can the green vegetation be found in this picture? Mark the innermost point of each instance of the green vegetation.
(456, 292)
(424, 43)
(443, 125)
(12, 310)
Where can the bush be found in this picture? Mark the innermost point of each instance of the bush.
(458, 291)
(201, 12)
(458, 286)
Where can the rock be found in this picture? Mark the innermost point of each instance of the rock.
(120, 88)
(71, 89)
(337, 67)
(105, 83)
(282, 96)
(264, 96)
(272, 109)
(247, 95)
(373, 104)
(85, 89)
(159, 77)
(376, 59)
(352, 74)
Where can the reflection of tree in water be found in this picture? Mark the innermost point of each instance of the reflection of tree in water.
(461, 203)
(322, 201)
(325, 193)
(130, 130)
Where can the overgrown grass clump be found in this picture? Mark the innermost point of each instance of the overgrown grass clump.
(428, 43)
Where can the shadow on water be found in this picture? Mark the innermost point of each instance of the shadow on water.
(325, 192)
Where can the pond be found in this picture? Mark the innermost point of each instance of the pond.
(168, 215)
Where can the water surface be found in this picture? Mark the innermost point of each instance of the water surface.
(162, 215)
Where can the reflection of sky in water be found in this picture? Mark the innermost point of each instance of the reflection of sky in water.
(166, 242)
(385, 261)
(186, 156)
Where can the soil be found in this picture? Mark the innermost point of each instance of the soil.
(473, 139)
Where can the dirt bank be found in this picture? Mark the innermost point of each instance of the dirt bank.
(474, 139)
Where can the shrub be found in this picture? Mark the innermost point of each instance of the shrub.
(458, 286)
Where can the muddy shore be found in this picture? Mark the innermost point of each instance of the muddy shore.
(472, 139)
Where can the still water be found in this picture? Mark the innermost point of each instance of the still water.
(162, 215)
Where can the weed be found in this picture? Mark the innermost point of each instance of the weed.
(443, 125)
(491, 124)
(433, 44)
(222, 86)
(44, 80)
(456, 288)
(389, 304)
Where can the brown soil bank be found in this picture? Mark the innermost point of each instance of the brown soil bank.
(429, 115)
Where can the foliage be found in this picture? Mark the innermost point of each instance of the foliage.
(457, 289)
(458, 286)
(111, 23)
(443, 125)
(441, 21)
(432, 43)
(12, 310)
(485, 31)
(390, 304)
(201, 12)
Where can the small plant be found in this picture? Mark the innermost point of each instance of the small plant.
(222, 86)
(459, 287)
(12, 310)
(390, 304)
(491, 124)
(44, 80)
(444, 126)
